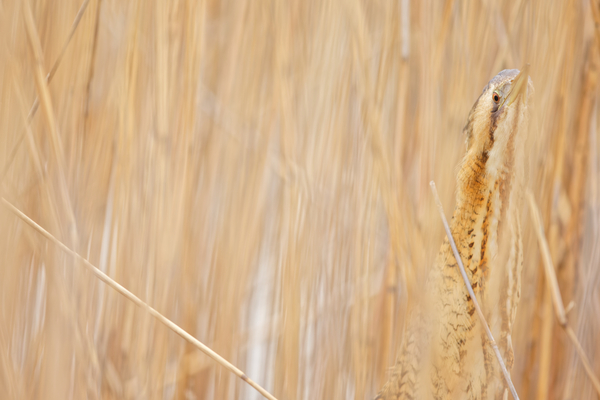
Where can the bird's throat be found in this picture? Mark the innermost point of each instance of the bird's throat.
(476, 218)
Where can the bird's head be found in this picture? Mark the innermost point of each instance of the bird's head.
(496, 118)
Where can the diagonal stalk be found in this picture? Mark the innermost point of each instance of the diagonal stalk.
(472, 294)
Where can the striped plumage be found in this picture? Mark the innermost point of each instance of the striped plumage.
(444, 352)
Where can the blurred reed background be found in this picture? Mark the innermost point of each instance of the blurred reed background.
(258, 172)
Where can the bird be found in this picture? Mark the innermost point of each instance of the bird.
(444, 353)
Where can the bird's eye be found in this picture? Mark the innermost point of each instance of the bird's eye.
(496, 97)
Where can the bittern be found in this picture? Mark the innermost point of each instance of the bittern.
(444, 352)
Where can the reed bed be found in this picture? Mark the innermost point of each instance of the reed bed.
(258, 172)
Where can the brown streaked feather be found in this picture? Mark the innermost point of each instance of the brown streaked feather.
(444, 353)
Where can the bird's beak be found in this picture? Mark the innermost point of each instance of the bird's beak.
(519, 86)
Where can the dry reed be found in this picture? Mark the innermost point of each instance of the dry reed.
(257, 172)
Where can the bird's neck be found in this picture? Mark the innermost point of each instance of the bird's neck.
(477, 215)
(477, 227)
